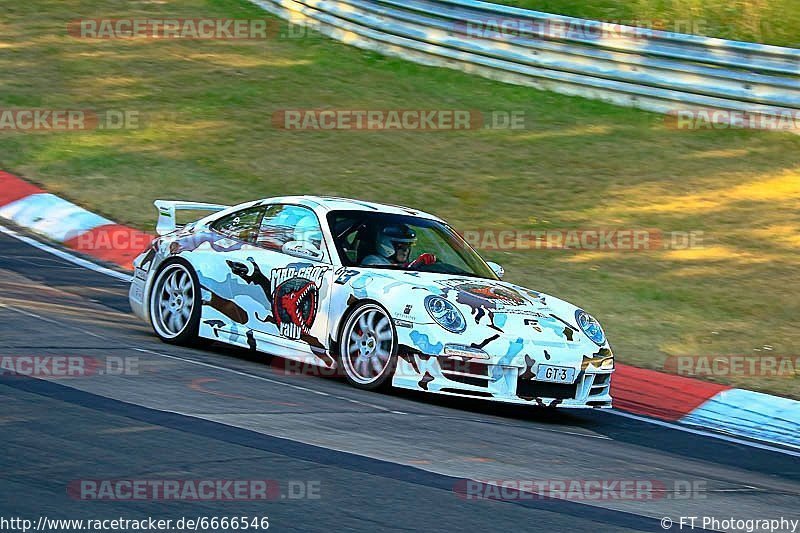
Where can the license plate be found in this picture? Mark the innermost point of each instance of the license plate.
(555, 374)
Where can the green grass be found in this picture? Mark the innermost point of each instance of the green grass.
(579, 164)
(763, 21)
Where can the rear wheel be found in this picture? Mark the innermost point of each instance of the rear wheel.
(174, 305)
(368, 347)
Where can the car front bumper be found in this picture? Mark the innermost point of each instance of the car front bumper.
(473, 379)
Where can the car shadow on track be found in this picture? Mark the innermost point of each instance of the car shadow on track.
(661, 439)
(283, 368)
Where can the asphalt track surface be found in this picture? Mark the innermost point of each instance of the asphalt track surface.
(381, 461)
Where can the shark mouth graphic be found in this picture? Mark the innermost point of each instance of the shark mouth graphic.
(487, 292)
(295, 303)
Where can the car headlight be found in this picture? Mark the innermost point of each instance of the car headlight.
(445, 314)
(590, 327)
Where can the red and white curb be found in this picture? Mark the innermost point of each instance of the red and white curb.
(636, 391)
(30, 207)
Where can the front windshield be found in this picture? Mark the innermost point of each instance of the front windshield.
(403, 242)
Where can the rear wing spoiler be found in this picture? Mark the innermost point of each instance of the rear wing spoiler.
(167, 222)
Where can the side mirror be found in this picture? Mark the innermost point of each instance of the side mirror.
(302, 249)
(497, 269)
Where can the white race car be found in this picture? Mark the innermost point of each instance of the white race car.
(387, 295)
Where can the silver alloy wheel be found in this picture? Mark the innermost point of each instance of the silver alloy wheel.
(368, 344)
(172, 301)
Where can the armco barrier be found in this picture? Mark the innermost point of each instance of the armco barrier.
(648, 69)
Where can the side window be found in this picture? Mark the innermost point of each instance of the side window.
(283, 224)
(242, 225)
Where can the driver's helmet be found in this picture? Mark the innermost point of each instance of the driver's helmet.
(391, 236)
(307, 230)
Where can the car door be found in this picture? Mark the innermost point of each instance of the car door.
(224, 242)
(284, 280)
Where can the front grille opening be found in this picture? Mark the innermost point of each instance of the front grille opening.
(465, 367)
(466, 372)
(527, 389)
(601, 379)
(477, 394)
(600, 385)
(467, 380)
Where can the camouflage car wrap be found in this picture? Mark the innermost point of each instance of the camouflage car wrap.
(518, 345)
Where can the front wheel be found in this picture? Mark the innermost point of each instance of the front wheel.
(368, 347)
(174, 305)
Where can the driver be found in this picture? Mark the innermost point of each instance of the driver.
(393, 247)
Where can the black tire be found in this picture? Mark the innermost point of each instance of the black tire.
(170, 300)
(362, 349)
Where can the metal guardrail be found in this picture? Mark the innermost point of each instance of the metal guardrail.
(648, 69)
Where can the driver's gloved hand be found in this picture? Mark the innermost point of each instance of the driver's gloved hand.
(423, 259)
